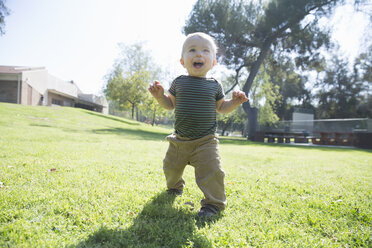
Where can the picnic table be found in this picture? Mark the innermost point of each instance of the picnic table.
(318, 138)
(283, 137)
(334, 138)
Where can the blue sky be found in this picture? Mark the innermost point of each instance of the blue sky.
(77, 39)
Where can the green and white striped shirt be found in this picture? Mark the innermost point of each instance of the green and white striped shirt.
(195, 108)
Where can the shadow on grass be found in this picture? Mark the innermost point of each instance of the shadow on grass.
(39, 125)
(132, 133)
(119, 119)
(158, 225)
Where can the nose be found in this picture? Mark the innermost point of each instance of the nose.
(198, 53)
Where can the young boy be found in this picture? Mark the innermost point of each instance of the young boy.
(195, 99)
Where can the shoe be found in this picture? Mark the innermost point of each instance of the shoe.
(208, 211)
(175, 192)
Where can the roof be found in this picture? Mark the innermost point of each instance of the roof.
(18, 69)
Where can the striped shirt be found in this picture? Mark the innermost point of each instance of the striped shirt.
(195, 109)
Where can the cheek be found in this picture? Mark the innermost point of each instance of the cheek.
(188, 61)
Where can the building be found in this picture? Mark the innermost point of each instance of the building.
(35, 86)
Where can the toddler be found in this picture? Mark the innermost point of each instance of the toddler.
(195, 100)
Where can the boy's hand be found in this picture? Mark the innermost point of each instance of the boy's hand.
(156, 89)
(239, 97)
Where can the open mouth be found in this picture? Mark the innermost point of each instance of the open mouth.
(198, 64)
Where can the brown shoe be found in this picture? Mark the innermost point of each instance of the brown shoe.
(208, 211)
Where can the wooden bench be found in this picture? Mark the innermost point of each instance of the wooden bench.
(285, 137)
(334, 138)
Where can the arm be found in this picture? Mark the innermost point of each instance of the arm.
(157, 91)
(226, 106)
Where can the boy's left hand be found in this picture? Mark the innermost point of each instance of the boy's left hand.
(239, 97)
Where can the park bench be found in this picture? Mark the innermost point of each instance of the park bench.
(283, 137)
(333, 138)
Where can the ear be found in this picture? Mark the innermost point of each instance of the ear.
(214, 62)
(182, 62)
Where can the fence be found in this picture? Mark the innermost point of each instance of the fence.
(317, 126)
(346, 132)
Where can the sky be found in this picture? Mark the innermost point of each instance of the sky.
(78, 39)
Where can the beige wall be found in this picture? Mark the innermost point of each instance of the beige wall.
(66, 87)
(24, 93)
(37, 79)
(29, 96)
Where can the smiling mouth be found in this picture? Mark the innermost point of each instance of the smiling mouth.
(198, 64)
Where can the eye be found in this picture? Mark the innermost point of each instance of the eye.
(206, 50)
(192, 50)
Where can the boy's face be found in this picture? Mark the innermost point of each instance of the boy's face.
(198, 56)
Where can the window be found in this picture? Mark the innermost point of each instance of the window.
(56, 102)
(67, 104)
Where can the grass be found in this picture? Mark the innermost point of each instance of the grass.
(75, 178)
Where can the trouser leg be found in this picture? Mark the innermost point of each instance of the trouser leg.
(209, 174)
(173, 167)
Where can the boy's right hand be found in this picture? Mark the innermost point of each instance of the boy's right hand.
(156, 89)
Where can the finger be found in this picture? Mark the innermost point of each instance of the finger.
(152, 88)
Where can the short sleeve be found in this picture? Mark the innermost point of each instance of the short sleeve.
(172, 88)
(220, 94)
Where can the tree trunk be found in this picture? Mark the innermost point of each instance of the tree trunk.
(256, 66)
(132, 111)
(153, 116)
(252, 112)
(252, 120)
(223, 132)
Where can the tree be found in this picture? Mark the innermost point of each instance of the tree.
(266, 97)
(363, 71)
(3, 13)
(364, 109)
(127, 83)
(340, 92)
(133, 58)
(153, 110)
(248, 32)
(127, 89)
(233, 121)
(291, 87)
(363, 67)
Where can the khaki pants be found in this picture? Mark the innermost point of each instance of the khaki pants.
(203, 155)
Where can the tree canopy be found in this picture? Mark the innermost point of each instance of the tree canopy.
(127, 89)
(127, 84)
(247, 31)
(342, 92)
(3, 13)
(281, 37)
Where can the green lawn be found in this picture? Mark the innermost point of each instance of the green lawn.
(75, 178)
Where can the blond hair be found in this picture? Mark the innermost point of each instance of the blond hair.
(202, 35)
